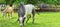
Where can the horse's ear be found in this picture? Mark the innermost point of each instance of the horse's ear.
(21, 2)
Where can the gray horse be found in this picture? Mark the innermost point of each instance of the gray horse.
(24, 11)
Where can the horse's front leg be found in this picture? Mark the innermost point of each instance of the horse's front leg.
(21, 19)
(11, 14)
(24, 20)
(28, 17)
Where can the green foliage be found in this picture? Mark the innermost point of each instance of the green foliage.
(9, 1)
(57, 2)
(2, 1)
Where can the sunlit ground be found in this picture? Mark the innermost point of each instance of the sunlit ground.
(44, 19)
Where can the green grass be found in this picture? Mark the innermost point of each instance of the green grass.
(44, 19)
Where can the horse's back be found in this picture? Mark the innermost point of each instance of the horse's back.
(29, 8)
(8, 9)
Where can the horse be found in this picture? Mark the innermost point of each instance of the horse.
(8, 10)
(25, 10)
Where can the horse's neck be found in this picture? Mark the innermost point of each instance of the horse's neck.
(22, 6)
(4, 11)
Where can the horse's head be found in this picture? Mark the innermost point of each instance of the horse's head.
(22, 8)
(22, 4)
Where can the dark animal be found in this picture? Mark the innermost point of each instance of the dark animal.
(42, 7)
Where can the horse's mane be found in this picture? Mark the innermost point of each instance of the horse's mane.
(21, 11)
(22, 5)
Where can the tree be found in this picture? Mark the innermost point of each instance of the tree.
(9, 1)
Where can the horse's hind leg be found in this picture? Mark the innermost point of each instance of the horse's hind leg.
(33, 18)
(33, 14)
(8, 15)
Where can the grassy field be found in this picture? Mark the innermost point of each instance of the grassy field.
(44, 19)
